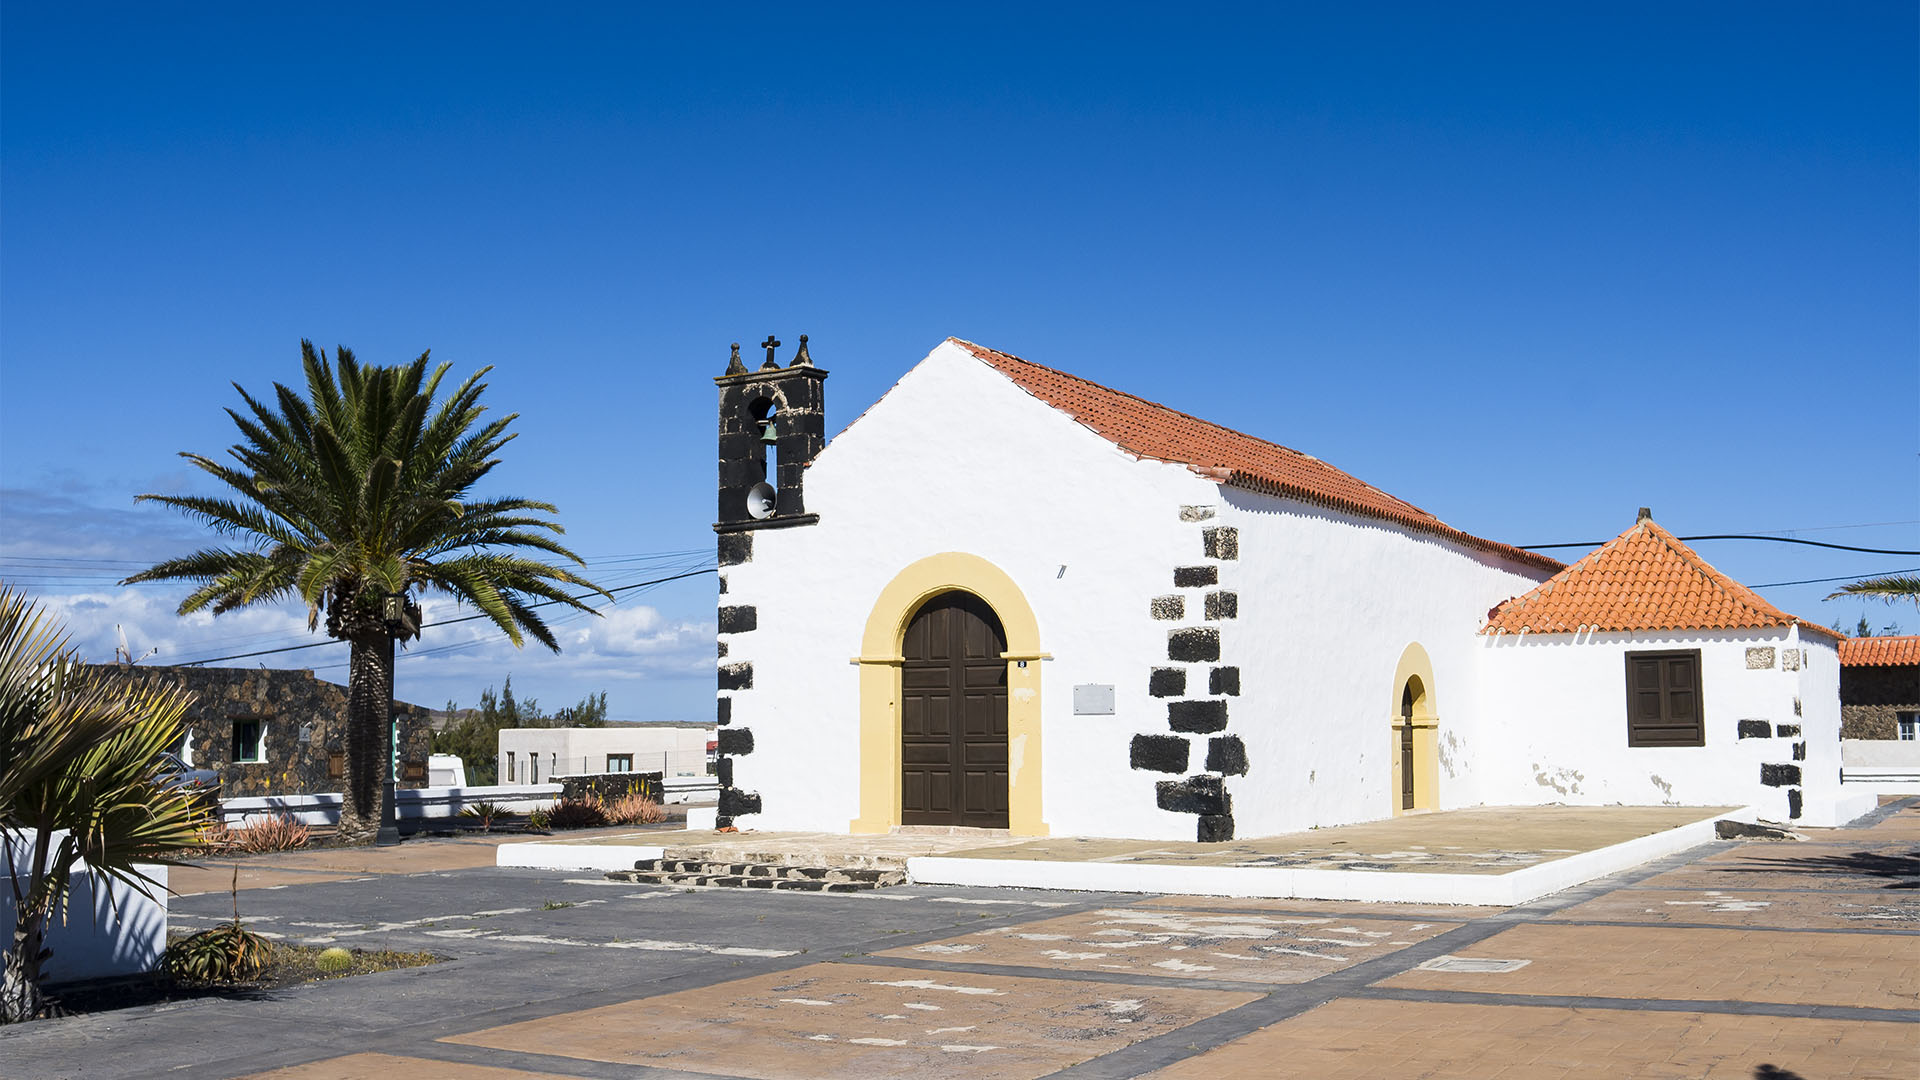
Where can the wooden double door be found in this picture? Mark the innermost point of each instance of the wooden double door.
(953, 715)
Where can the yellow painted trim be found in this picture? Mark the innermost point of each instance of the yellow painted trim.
(879, 661)
(1416, 665)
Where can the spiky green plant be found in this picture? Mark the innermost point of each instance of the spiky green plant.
(361, 489)
(78, 787)
(483, 813)
(227, 953)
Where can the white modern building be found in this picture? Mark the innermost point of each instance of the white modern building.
(1008, 597)
(537, 755)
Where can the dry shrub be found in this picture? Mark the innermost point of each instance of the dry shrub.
(216, 838)
(633, 808)
(270, 832)
(586, 812)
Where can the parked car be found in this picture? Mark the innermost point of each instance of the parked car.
(171, 772)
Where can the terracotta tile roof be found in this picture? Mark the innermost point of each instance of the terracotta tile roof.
(1149, 430)
(1880, 652)
(1643, 579)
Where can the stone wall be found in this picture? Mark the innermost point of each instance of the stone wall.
(1870, 697)
(305, 728)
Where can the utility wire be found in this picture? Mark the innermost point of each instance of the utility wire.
(1732, 536)
(445, 622)
(1824, 580)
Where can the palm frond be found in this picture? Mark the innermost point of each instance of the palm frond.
(1891, 588)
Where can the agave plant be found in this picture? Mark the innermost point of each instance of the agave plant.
(227, 953)
(78, 787)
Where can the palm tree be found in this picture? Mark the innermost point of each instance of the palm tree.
(358, 496)
(1886, 588)
(77, 786)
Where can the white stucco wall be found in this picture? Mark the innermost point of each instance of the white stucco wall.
(1328, 604)
(1555, 721)
(675, 749)
(957, 458)
(1819, 693)
(110, 929)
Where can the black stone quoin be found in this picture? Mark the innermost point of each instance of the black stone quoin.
(1159, 753)
(1227, 754)
(1190, 577)
(1167, 682)
(1194, 643)
(1209, 714)
(1194, 795)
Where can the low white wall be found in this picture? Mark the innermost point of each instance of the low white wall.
(1504, 890)
(108, 932)
(409, 804)
(1882, 753)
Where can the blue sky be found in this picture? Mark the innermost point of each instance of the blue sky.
(1527, 266)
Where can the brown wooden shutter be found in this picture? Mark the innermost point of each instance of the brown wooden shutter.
(1663, 699)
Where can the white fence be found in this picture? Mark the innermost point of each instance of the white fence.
(409, 804)
(1883, 766)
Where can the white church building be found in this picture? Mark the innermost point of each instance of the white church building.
(1065, 610)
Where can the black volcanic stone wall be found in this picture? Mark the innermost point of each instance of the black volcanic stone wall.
(288, 701)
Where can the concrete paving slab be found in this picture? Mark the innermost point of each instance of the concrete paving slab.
(1856, 970)
(1480, 840)
(857, 1020)
(1885, 910)
(1488, 867)
(1365, 1040)
(1251, 948)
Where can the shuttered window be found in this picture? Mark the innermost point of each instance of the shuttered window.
(1663, 699)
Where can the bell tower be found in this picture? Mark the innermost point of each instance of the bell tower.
(773, 420)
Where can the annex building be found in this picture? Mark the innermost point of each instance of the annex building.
(1065, 610)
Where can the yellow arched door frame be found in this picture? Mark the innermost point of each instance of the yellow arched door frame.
(880, 659)
(1416, 666)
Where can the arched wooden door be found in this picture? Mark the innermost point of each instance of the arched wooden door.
(953, 715)
(1406, 747)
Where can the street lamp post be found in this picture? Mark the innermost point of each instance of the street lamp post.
(402, 617)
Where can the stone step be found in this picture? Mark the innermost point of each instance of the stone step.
(742, 881)
(836, 874)
(733, 855)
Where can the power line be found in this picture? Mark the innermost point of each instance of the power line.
(1732, 536)
(444, 622)
(1824, 580)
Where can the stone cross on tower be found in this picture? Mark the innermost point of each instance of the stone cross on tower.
(771, 344)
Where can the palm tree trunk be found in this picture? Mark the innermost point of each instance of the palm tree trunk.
(21, 998)
(369, 735)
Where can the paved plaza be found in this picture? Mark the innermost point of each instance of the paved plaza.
(1754, 959)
